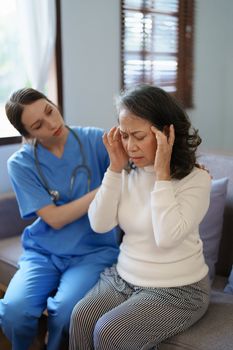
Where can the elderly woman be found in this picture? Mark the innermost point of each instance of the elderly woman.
(156, 193)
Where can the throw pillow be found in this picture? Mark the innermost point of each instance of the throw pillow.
(211, 225)
(229, 286)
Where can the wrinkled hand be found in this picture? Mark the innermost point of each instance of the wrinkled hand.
(118, 156)
(163, 152)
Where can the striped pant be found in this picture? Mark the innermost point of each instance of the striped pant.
(116, 315)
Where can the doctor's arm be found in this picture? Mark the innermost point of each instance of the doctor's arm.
(33, 198)
(59, 216)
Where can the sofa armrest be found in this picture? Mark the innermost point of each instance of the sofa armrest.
(11, 224)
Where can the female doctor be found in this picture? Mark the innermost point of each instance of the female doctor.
(54, 175)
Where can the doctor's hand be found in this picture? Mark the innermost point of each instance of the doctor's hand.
(118, 157)
(165, 141)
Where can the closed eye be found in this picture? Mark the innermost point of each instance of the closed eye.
(37, 127)
(49, 111)
(139, 138)
(124, 136)
(137, 135)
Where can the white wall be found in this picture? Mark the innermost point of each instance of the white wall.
(91, 61)
(228, 127)
(5, 152)
(213, 107)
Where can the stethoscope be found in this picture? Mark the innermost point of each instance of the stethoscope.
(54, 194)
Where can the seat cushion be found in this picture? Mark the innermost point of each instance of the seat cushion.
(10, 251)
(212, 332)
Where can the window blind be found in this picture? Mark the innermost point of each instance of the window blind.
(157, 45)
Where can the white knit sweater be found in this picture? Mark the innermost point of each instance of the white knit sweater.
(161, 246)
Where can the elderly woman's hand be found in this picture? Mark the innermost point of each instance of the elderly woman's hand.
(165, 141)
(118, 157)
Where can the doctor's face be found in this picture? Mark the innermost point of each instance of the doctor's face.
(137, 138)
(43, 121)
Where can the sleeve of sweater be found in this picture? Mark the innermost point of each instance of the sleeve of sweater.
(177, 214)
(103, 210)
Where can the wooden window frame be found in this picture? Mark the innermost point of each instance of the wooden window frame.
(184, 82)
(58, 53)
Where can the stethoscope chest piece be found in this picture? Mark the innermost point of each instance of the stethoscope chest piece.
(54, 195)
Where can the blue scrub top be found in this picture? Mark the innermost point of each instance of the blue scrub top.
(76, 238)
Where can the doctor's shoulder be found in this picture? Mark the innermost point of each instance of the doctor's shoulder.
(24, 157)
(90, 135)
(88, 131)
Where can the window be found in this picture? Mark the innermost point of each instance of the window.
(157, 45)
(27, 57)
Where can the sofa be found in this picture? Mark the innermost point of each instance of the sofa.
(215, 330)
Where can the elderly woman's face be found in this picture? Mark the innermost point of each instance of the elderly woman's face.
(137, 138)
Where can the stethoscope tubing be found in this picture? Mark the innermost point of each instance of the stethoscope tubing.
(54, 193)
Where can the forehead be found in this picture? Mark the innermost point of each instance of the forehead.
(130, 122)
(33, 111)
